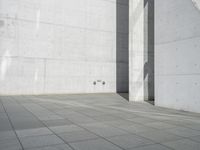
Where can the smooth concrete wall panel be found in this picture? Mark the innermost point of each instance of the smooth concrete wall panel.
(178, 63)
(22, 76)
(73, 77)
(180, 19)
(177, 52)
(183, 93)
(59, 46)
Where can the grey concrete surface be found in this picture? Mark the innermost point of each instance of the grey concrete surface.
(177, 63)
(60, 46)
(93, 122)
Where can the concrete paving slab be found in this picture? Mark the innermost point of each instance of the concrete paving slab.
(33, 132)
(10, 144)
(104, 130)
(6, 135)
(152, 147)
(142, 120)
(54, 147)
(160, 125)
(77, 136)
(40, 141)
(26, 123)
(183, 144)
(129, 141)
(195, 138)
(183, 132)
(66, 128)
(159, 136)
(57, 122)
(136, 128)
(98, 144)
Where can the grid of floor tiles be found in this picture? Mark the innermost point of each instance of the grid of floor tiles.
(93, 122)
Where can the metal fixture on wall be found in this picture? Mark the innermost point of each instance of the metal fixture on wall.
(99, 81)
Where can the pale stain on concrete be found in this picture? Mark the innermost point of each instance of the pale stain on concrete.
(1, 23)
(196, 3)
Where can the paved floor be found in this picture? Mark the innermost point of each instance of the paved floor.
(93, 122)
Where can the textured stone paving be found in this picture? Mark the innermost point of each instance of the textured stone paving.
(93, 122)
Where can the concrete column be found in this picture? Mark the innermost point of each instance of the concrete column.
(141, 50)
(136, 50)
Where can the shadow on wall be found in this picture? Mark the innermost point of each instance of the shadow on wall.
(122, 51)
(149, 49)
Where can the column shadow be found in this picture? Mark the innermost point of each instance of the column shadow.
(122, 48)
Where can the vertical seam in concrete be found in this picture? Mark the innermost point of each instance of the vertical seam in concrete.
(17, 36)
(44, 76)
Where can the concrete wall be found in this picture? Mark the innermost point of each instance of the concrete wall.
(177, 54)
(58, 46)
(141, 50)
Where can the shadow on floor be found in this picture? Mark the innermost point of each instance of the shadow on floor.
(151, 102)
(124, 95)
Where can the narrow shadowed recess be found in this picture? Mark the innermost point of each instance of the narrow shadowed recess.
(122, 51)
(149, 49)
